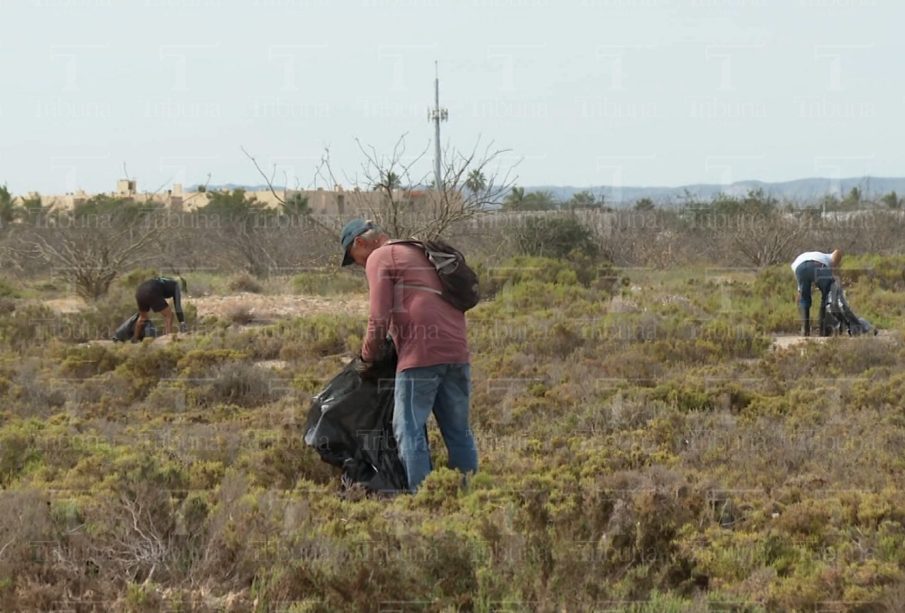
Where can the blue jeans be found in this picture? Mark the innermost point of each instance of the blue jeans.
(815, 273)
(443, 389)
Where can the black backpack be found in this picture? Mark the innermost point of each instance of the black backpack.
(460, 283)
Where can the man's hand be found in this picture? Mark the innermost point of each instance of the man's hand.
(364, 369)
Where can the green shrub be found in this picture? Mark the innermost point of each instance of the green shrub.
(8, 290)
(131, 280)
(244, 282)
(85, 361)
(328, 283)
(18, 450)
(234, 383)
(555, 237)
(29, 326)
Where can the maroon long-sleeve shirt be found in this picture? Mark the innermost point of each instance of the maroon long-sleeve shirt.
(405, 301)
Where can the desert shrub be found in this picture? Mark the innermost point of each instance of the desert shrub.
(28, 532)
(320, 335)
(8, 290)
(196, 361)
(556, 237)
(775, 281)
(519, 269)
(244, 282)
(89, 360)
(37, 391)
(279, 459)
(235, 383)
(654, 454)
(639, 515)
(883, 272)
(28, 326)
(18, 450)
(7, 306)
(147, 364)
(328, 283)
(840, 357)
(240, 314)
(132, 279)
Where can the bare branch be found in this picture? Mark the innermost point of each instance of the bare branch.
(266, 178)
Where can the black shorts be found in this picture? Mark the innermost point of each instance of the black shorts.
(149, 295)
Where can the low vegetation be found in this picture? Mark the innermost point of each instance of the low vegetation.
(643, 447)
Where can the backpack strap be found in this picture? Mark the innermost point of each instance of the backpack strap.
(442, 260)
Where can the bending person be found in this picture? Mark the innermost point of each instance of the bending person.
(814, 268)
(433, 374)
(153, 295)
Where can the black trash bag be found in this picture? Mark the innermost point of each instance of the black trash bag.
(350, 424)
(840, 319)
(126, 329)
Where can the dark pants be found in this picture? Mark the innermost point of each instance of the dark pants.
(149, 295)
(813, 273)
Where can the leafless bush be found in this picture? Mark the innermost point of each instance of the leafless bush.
(407, 201)
(142, 543)
(765, 240)
(240, 314)
(90, 248)
(245, 283)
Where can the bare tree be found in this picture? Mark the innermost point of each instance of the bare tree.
(765, 240)
(473, 182)
(402, 199)
(387, 188)
(91, 248)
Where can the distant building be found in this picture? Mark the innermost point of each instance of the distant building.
(337, 202)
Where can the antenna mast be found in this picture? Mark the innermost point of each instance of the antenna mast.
(437, 115)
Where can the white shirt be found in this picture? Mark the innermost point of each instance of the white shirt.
(817, 256)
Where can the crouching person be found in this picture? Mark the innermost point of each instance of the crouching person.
(433, 374)
(153, 295)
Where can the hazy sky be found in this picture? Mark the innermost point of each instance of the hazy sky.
(619, 92)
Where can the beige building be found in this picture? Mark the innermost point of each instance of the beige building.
(336, 202)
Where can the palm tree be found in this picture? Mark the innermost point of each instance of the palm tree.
(515, 199)
(389, 181)
(476, 181)
(8, 209)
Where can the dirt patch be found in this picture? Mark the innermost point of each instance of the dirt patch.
(70, 304)
(272, 364)
(260, 307)
(263, 307)
(791, 340)
(786, 341)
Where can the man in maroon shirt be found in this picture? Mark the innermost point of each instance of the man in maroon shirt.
(433, 373)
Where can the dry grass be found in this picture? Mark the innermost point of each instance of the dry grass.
(638, 451)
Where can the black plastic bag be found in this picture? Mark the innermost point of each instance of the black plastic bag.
(840, 319)
(350, 424)
(126, 329)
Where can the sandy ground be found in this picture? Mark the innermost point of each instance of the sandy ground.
(65, 305)
(260, 307)
(265, 308)
(786, 341)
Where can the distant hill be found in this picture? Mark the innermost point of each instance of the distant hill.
(797, 191)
